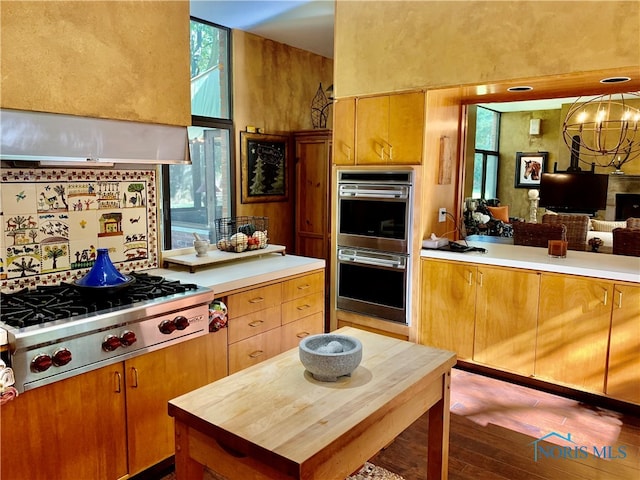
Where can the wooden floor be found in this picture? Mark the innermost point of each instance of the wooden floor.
(495, 428)
(494, 425)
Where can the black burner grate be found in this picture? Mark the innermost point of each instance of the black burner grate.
(59, 302)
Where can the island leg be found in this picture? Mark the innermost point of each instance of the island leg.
(438, 434)
(186, 467)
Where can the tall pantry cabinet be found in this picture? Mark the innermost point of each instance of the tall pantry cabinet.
(313, 197)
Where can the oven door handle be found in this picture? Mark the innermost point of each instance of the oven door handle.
(378, 262)
(359, 192)
(374, 194)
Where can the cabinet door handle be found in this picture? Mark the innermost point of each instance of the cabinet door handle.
(348, 152)
(118, 379)
(134, 370)
(480, 275)
(390, 152)
(470, 279)
(256, 300)
(255, 323)
(256, 354)
(302, 334)
(606, 297)
(304, 307)
(619, 299)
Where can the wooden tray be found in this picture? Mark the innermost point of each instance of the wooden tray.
(217, 256)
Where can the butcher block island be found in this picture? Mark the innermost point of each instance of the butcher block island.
(274, 420)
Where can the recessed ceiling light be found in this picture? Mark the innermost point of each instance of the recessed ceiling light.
(522, 88)
(615, 80)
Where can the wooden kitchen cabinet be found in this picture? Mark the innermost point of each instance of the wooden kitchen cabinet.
(293, 332)
(344, 123)
(623, 370)
(312, 205)
(253, 350)
(67, 430)
(447, 305)
(466, 309)
(254, 300)
(87, 426)
(291, 309)
(573, 328)
(299, 287)
(157, 377)
(390, 129)
(506, 318)
(313, 196)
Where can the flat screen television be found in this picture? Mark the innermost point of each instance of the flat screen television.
(574, 192)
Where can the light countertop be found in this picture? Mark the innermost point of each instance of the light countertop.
(243, 273)
(587, 264)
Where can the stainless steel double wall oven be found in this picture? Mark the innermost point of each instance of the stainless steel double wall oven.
(373, 238)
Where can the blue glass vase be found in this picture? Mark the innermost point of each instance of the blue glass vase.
(103, 273)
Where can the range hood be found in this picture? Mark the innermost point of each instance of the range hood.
(57, 139)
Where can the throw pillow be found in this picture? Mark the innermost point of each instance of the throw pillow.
(607, 226)
(501, 213)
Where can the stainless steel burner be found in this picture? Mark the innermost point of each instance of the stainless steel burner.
(56, 332)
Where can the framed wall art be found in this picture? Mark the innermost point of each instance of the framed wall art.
(263, 162)
(529, 168)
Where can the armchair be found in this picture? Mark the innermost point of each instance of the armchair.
(537, 234)
(577, 227)
(480, 220)
(626, 241)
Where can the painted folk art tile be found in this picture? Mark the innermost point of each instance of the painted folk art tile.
(53, 222)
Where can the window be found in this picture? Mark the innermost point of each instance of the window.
(197, 194)
(485, 165)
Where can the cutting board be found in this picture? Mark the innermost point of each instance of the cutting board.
(215, 256)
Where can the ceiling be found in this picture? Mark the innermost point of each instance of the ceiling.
(304, 24)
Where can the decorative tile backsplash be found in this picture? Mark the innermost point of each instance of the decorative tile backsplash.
(53, 222)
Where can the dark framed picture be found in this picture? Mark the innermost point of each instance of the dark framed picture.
(263, 161)
(529, 168)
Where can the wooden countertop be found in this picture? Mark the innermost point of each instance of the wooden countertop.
(278, 411)
(587, 264)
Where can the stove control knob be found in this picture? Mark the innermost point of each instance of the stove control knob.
(61, 357)
(167, 327)
(127, 338)
(181, 322)
(110, 343)
(41, 362)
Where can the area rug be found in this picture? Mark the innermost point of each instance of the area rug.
(373, 472)
(368, 472)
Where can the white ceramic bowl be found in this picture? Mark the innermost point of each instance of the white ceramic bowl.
(328, 356)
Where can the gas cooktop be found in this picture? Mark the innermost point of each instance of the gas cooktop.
(65, 301)
(55, 332)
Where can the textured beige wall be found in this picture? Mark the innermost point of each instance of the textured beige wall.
(514, 137)
(122, 60)
(383, 46)
(273, 86)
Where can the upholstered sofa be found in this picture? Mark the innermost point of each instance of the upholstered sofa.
(603, 229)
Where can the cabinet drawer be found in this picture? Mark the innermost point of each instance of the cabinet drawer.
(301, 286)
(253, 323)
(293, 332)
(302, 307)
(253, 300)
(254, 350)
